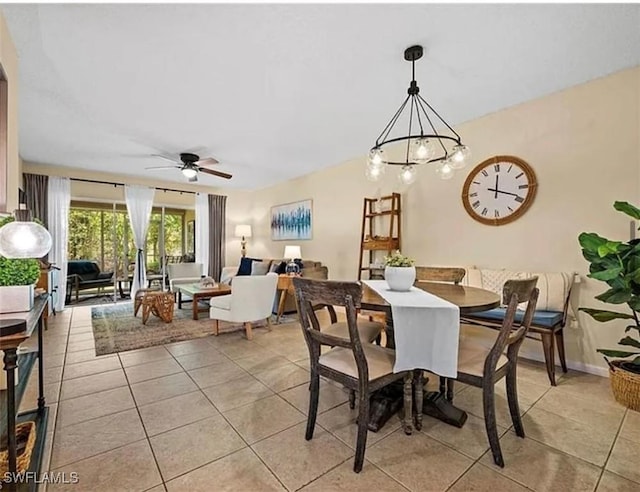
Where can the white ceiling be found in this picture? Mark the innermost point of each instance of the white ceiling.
(278, 91)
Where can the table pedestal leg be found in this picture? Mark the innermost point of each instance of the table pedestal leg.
(10, 363)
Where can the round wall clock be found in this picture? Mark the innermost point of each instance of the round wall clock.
(499, 190)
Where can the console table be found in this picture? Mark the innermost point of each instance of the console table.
(11, 397)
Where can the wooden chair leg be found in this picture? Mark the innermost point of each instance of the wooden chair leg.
(512, 398)
(314, 393)
(248, 329)
(269, 327)
(352, 399)
(407, 425)
(560, 346)
(489, 404)
(418, 395)
(443, 385)
(216, 328)
(363, 428)
(549, 357)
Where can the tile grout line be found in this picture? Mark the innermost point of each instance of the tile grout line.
(613, 444)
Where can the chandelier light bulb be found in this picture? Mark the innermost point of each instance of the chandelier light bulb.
(189, 172)
(459, 156)
(422, 151)
(445, 171)
(407, 175)
(377, 157)
(374, 171)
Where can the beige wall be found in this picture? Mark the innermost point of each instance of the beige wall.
(583, 144)
(9, 62)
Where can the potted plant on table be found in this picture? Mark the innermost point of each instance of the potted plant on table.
(399, 271)
(17, 281)
(618, 265)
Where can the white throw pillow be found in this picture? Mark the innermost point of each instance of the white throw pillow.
(259, 267)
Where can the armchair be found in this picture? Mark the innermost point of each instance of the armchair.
(183, 273)
(250, 300)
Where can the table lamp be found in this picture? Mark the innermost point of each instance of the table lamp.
(243, 231)
(292, 252)
(24, 238)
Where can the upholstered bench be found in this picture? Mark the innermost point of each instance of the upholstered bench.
(551, 310)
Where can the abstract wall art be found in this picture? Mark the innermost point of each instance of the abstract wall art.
(291, 221)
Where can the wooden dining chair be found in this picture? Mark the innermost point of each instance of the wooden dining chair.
(452, 275)
(482, 367)
(359, 366)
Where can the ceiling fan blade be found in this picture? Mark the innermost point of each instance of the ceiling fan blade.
(207, 161)
(164, 167)
(166, 158)
(214, 173)
(193, 179)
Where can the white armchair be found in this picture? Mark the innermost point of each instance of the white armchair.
(251, 299)
(183, 273)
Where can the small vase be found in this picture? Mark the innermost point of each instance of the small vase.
(400, 279)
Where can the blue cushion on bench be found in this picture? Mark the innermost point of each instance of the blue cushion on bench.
(547, 319)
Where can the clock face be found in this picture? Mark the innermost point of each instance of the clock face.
(499, 190)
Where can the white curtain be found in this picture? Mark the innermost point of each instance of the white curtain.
(202, 231)
(58, 202)
(139, 201)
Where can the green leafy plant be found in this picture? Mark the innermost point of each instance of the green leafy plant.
(17, 271)
(397, 259)
(618, 265)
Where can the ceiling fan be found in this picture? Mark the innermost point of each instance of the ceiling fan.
(191, 165)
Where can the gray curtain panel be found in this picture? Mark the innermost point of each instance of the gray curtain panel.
(36, 190)
(217, 235)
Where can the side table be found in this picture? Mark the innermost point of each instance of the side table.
(285, 286)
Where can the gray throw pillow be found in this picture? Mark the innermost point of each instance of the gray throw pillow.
(259, 267)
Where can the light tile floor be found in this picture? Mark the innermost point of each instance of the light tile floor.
(223, 413)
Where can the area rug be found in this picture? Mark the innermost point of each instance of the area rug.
(115, 329)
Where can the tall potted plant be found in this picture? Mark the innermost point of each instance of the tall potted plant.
(399, 271)
(17, 280)
(618, 265)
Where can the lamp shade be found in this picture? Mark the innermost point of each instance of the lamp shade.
(292, 252)
(24, 240)
(243, 230)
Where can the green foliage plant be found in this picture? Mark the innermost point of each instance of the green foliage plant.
(618, 265)
(17, 271)
(397, 259)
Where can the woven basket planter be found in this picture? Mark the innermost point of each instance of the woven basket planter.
(626, 386)
(25, 441)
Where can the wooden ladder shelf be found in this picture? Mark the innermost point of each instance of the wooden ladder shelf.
(379, 214)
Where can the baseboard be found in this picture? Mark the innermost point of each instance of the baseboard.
(571, 364)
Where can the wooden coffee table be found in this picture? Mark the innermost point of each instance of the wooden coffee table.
(196, 293)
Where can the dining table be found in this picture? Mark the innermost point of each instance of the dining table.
(468, 300)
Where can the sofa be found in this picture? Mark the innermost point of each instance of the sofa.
(550, 316)
(309, 269)
(183, 273)
(83, 275)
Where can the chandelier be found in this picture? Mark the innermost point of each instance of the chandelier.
(424, 144)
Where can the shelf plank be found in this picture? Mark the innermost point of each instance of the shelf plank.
(25, 365)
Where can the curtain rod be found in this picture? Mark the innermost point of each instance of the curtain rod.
(122, 184)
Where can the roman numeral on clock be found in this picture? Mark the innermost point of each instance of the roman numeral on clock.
(484, 211)
(473, 194)
(523, 187)
(496, 168)
(496, 213)
(519, 199)
(521, 174)
(485, 173)
(476, 204)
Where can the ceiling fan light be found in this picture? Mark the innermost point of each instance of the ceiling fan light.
(189, 172)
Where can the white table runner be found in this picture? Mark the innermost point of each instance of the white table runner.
(426, 329)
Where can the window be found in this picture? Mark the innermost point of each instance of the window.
(96, 232)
